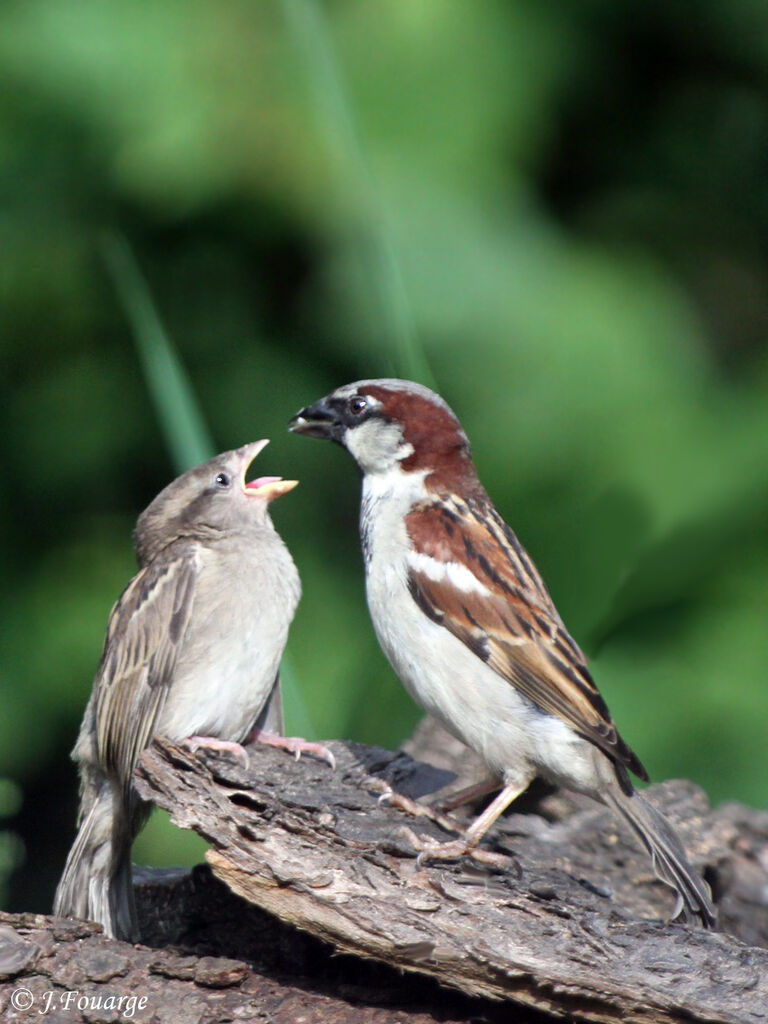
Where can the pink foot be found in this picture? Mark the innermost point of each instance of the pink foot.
(294, 745)
(429, 849)
(211, 743)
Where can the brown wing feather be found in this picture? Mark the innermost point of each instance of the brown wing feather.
(146, 629)
(514, 627)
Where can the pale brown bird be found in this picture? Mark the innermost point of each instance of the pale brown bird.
(468, 624)
(192, 652)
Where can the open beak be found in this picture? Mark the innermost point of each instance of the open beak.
(316, 420)
(265, 487)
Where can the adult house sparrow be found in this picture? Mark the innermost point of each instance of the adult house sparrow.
(192, 650)
(468, 625)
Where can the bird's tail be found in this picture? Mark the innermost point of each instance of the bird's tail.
(667, 854)
(97, 883)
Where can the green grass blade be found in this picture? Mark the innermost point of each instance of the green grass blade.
(309, 25)
(188, 438)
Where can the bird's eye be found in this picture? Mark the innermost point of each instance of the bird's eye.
(357, 405)
(221, 480)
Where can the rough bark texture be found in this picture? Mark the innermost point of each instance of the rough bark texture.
(574, 927)
(48, 965)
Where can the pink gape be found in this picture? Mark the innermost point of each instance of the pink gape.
(254, 485)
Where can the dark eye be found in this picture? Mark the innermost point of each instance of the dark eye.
(221, 480)
(357, 405)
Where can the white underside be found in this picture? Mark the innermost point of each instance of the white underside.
(517, 740)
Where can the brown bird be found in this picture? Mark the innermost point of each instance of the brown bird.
(192, 652)
(468, 624)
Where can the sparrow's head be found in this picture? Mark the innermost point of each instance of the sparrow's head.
(387, 425)
(211, 501)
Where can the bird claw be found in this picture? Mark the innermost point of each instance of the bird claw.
(294, 745)
(195, 743)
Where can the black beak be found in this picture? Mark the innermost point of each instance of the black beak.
(318, 420)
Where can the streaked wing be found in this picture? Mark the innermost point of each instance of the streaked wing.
(470, 574)
(145, 632)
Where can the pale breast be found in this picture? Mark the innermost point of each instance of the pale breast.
(236, 636)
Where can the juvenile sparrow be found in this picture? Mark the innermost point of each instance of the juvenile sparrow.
(468, 624)
(192, 652)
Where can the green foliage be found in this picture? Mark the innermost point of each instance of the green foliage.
(555, 213)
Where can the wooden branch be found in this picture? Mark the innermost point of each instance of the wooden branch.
(564, 931)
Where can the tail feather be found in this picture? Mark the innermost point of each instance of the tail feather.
(667, 855)
(96, 883)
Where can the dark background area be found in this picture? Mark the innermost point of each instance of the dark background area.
(555, 214)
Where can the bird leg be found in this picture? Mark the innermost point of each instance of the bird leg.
(293, 744)
(468, 794)
(430, 850)
(412, 807)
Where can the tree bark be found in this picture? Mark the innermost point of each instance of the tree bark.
(574, 926)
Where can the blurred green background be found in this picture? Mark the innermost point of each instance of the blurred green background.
(555, 213)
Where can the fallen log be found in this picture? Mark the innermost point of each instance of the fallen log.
(319, 909)
(576, 926)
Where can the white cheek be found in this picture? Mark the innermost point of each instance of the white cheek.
(376, 446)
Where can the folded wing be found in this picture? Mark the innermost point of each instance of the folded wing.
(145, 633)
(469, 573)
